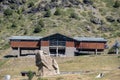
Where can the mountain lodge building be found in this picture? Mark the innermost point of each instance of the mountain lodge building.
(56, 45)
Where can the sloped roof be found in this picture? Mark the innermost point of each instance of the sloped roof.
(75, 38)
(58, 34)
(90, 39)
(25, 38)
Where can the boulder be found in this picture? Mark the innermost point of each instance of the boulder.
(47, 66)
(7, 77)
(75, 2)
(118, 20)
(96, 20)
(88, 28)
(110, 19)
(100, 75)
(105, 29)
(88, 2)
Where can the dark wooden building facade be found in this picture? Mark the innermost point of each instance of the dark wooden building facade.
(56, 44)
(90, 44)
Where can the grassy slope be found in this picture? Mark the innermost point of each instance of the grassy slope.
(63, 24)
(95, 64)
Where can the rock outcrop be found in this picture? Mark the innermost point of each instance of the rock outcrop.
(46, 65)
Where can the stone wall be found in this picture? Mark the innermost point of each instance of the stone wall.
(70, 51)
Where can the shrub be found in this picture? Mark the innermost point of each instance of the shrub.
(118, 20)
(25, 32)
(54, 0)
(88, 2)
(37, 29)
(8, 12)
(116, 4)
(24, 1)
(13, 25)
(59, 78)
(31, 4)
(74, 15)
(47, 14)
(30, 75)
(6, 46)
(42, 79)
(57, 12)
(41, 23)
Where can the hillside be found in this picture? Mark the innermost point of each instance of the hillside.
(69, 17)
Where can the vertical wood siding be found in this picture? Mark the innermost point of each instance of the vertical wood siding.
(70, 44)
(31, 44)
(90, 45)
(44, 43)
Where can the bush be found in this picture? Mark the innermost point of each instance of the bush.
(116, 4)
(118, 20)
(57, 12)
(41, 23)
(13, 25)
(42, 79)
(74, 15)
(30, 75)
(37, 29)
(47, 14)
(54, 0)
(8, 12)
(31, 4)
(59, 78)
(6, 46)
(26, 32)
(88, 2)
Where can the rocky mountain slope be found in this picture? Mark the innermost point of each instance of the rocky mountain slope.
(69, 17)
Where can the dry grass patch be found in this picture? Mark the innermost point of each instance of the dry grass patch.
(90, 65)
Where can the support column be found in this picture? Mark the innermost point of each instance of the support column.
(57, 52)
(96, 51)
(19, 52)
(69, 52)
(117, 51)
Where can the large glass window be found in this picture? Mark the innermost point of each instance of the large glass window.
(57, 43)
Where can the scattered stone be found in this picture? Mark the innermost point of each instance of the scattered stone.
(105, 29)
(45, 5)
(110, 19)
(100, 75)
(88, 28)
(96, 20)
(7, 77)
(118, 67)
(46, 65)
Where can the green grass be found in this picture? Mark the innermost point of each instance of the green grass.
(2, 62)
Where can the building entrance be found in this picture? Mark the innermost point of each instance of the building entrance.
(57, 51)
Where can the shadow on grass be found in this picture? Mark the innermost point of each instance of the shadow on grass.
(10, 56)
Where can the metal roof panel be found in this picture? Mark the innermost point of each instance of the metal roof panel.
(25, 38)
(90, 39)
